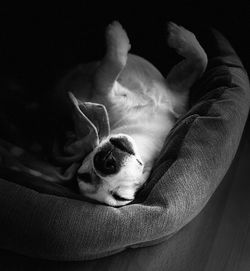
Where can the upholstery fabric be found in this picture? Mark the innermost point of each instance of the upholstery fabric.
(46, 220)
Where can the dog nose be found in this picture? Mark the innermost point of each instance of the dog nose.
(105, 162)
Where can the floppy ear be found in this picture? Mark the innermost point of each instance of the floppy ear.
(82, 124)
(91, 124)
(91, 115)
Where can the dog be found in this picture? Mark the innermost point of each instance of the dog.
(142, 106)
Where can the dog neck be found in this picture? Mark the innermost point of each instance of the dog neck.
(143, 117)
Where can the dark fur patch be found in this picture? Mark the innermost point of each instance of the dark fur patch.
(123, 145)
(86, 177)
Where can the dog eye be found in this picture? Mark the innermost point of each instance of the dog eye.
(119, 198)
(86, 177)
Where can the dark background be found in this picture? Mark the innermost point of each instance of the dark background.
(41, 41)
(38, 43)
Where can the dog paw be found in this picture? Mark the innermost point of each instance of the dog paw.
(183, 41)
(117, 41)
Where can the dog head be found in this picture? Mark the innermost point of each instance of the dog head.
(112, 172)
(113, 169)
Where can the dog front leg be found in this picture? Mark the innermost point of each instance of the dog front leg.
(115, 59)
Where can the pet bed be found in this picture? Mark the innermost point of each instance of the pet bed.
(46, 220)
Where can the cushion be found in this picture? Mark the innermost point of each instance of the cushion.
(47, 220)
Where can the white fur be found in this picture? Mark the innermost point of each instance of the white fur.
(144, 113)
(145, 122)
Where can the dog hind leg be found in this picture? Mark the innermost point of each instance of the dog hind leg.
(182, 76)
(115, 59)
